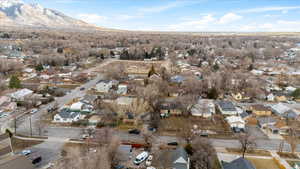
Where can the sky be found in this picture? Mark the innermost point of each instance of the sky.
(184, 15)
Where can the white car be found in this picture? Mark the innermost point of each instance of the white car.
(26, 152)
(33, 111)
(141, 158)
(3, 115)
(149, 160)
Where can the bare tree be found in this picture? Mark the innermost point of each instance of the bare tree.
(203, 155)
(247, 142)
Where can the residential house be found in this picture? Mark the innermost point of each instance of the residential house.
(177, 79)
(81, 107)
(66, 116)
(4, 99)
(291, 114)
(236, 122)
(21, 94)
(270, 97)
(6, 104)
(264, 122)
(239, 96)
(89, 99)
(168, 109)
(245, 116)
(283, 128)
(260, 110)
(227, 108)
(122, 89)
(240, 163)
(104, 86)
(180, 159)
(279, 109)
(204, 108)
(280, 98)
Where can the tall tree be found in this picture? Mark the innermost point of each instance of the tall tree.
(14, 82)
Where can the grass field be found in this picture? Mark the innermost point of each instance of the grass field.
(260, 163)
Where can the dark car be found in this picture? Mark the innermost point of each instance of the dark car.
(134, 131)
(173, 144)
(82, 88)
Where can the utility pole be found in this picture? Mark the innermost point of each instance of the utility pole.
(30, 125)
(15, 125)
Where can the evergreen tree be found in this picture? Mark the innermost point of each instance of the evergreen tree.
(39, 67)
(14, 82)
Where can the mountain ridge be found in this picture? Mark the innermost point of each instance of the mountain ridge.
(15, 13)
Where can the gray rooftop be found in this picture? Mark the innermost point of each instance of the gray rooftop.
(178, 154)
(266, 120)
(226, 106)
(239, 163)
(66, 113)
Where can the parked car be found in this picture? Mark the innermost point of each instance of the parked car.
(149, 160)
(3, 115)
(26, 152)
(134, 131)
(119, 167)
(84, 136)
(173, 144)
(141, 158)
(33, 111)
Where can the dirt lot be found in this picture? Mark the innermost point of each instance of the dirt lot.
(173, 125)
(287, 155)
(250, 152)
(260, 163)
(19, 145)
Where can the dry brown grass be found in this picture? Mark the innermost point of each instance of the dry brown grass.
(250, 152)
(19, 145)
(260, 163)
(173, 124)
(287, 155)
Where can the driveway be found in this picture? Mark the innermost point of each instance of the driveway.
(256, 132)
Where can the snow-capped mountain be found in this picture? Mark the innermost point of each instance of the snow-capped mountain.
(18, 13)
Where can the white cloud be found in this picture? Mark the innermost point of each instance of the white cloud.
(165, 7)
(67, 1)
(92, 18)
(276, 26)
(200, 24)
(229, 18)
(125, 17)
(156, 9)
(268, 9)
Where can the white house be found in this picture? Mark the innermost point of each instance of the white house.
(21, 94)
(78, 106)
(122, 89)
(271, 97)
(66, 116)
(104, 86)
(236, 122)
(204, 108)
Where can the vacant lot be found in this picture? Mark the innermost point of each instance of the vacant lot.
(19, 145)
(173, 125)
(260, 163)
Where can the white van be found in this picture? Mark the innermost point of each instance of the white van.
(141, 158)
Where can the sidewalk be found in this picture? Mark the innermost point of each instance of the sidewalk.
(280, 160)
